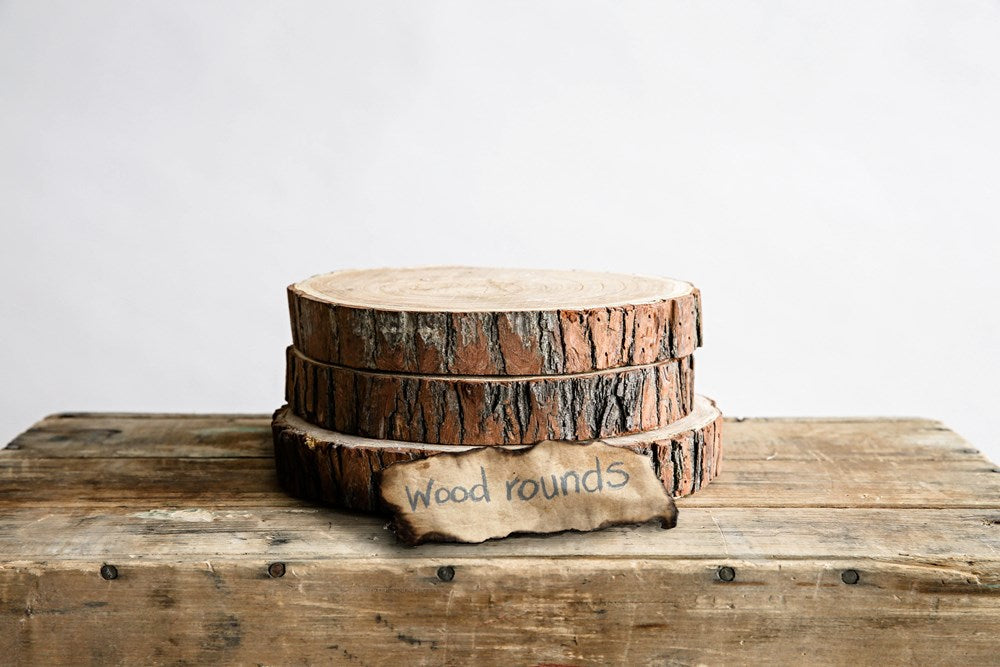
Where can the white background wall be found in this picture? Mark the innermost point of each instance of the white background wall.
(827, 173)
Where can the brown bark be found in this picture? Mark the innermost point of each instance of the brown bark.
(505, 336)
(471, 410)
(342, 470)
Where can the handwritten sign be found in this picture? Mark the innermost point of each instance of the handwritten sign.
(492, 492)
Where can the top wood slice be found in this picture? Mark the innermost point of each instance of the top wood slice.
(477, 321)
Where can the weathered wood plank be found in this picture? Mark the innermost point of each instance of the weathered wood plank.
(302, 532)
(131, 482)
(82, 435)
(971, 482)
(191, 482)
(881, 441)
(495, 611)
(122, 435)
(189, 512)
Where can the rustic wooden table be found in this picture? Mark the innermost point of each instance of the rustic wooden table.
(149, 539)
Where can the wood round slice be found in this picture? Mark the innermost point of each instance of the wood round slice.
(476, 321)
(342, 470)
(471, 410)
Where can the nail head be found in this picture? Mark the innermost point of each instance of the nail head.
(727, 573)
(109, 572)
(850, 576)
(446, 573)
(276, 570)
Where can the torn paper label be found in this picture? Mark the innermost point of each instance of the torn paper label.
(491, 492)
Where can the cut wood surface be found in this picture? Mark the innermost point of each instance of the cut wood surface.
(474, 321)
(342, 470)
(189, 511)
(477, 410)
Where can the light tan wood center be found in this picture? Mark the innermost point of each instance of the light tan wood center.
(472, 289)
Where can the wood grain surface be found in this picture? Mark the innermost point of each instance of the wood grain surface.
(342, 470)
(189, 511)
(478, 410)
(468, 321)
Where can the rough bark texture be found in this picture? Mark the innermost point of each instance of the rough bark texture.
(342, 470)
(463, 410)
(533, 342)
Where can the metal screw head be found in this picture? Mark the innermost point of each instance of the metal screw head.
(276, 570)
(727, 573)
(850, 576)
(109, 572)
(446, 573)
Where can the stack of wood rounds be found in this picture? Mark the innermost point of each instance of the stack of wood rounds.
(392, 365)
